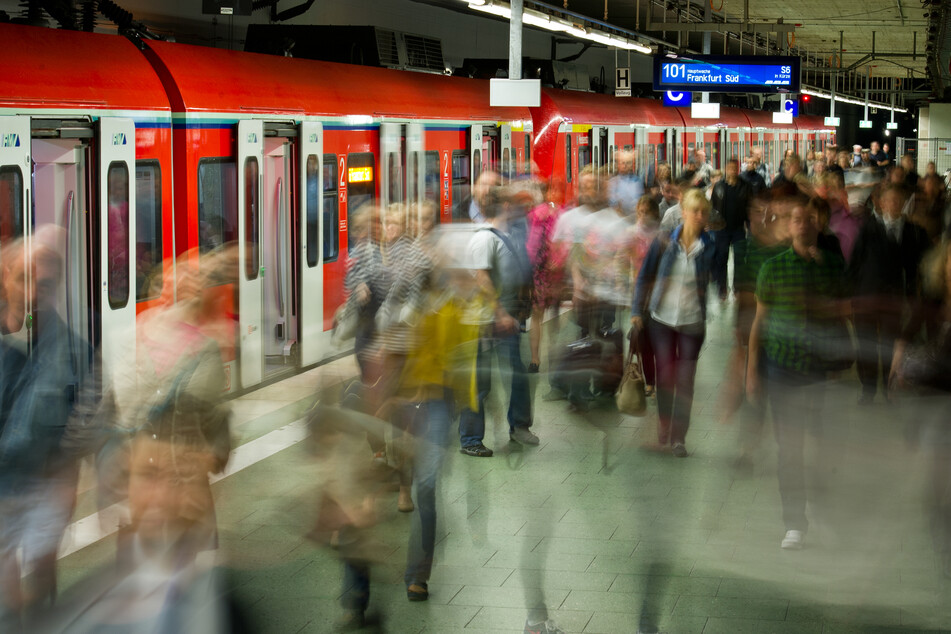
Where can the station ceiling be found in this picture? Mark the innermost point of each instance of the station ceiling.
(880, 38)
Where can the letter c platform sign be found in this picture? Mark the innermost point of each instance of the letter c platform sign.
(672, 98)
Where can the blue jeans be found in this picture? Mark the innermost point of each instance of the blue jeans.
(508, 349)
(429, 424)
(721, 243)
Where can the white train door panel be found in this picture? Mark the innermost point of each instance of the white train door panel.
(251, 270)
(312, 229)
(117, 240)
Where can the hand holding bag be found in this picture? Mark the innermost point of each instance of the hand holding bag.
(630, 397)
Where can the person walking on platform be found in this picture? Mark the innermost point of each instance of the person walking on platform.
(670, 300)
(768, 238)
(569, 236)
(883, 275)
(797, 331)
(503, 275)
(730, 199)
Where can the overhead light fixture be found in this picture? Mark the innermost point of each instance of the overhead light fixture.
(495, 9)
(559, 25)
(842, 99)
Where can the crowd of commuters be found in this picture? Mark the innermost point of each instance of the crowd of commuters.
(839, 259)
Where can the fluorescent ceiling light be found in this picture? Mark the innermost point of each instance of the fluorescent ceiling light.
(550, 23)
(494, 9)
(841, 99)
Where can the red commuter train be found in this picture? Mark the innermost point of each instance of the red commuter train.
(143, 154)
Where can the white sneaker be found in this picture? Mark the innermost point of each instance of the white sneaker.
(792, 540)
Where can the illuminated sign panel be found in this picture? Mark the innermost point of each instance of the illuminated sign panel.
(359, 174)
(726, 73)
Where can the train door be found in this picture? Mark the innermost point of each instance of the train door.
(61, 155)
(313, 247)
(15, 186)
(117, 239)
(251, 267)
(403, 163)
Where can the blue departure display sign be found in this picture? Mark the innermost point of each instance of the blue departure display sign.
(726, 73)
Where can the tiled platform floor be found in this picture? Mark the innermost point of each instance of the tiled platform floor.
(599, 527)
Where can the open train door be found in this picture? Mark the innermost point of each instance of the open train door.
(250, 270)
(312, 230)
(117, 240)
(15, 196)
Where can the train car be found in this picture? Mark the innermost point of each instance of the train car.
(85, 147)
(575, 129)
(275, 154)
(713, 136)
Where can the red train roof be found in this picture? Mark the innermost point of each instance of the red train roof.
(811, 122)
(582, 107)
(215, 80)
(46, 68)
(730, 117)
(760, 119)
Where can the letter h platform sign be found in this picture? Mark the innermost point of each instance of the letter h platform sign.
(622, 84)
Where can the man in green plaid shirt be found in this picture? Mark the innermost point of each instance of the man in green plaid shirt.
(799, 325)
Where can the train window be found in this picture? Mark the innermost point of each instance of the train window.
(217, 204)
(251, 217)
(312, 204)
(568, 157)
(661, 152)
(527, 167)
(394, 169)
(477, 167)
(331, 213)
(432, 176)
(11, 203)
(361, 187)
(148, 230)
(117, 234)
(506, 164)
(460, 177)
(584, 156)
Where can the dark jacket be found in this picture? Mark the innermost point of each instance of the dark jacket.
(881, 267)
(739, 215)
(753, 178)
(656, 270)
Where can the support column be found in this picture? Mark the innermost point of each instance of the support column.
(515, 41)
